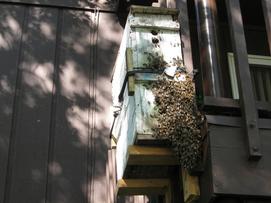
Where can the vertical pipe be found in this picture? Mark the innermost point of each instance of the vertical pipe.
(209, 47)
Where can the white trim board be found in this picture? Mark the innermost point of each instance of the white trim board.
(252, 59)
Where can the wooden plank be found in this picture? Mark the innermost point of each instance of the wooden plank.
(142, 155)
(72, 158)
(130, 66)
(12, 19)
(154, 10)
(103, 45)
(190, 187)
(185, 34)
(266, 5)
(260, 85)
(221, 102)
(235, 121)
(29, 157)
(154, 21)
(144, 187)
(248, 105)
(267, 78)
(228, 157)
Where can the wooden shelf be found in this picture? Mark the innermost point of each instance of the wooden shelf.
(145, 187)
(142, 155)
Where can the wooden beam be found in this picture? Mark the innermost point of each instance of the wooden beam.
(183, 19)
(145, 187)
(141, 155)
(190, 187)
(160, 9)
(266, 4)
(248, 104)
(206, 12)
(130, 66)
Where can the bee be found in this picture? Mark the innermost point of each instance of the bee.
(179, 120)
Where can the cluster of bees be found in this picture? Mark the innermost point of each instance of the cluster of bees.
(155, 61)
(178, 118)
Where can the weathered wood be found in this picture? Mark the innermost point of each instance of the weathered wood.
(185, 34)
(249, 113)
(154, 21)
(142, 155)
(153, 10)
(267, 77)
(190, 187)
(10, 53)
(32, 121)
(72, 143)
(151, 42)
(259, 63)
(227, 156)
(222, 102)
(129, 64)
(145, 187)
(266, 4)
(260, 85)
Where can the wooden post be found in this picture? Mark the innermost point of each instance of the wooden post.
(181, 5)
(190, 187)
(129, 64)
(145, 187)
(143, 155)
(248, 105)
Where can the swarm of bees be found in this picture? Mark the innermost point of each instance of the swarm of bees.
(155, 61)
(178, 118)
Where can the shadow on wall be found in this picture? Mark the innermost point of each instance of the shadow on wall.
(55, 98)
(102, 4)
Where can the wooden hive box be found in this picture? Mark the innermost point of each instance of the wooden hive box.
(151, 38)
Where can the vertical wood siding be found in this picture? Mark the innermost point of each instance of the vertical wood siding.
(55, 97)
(107, 5)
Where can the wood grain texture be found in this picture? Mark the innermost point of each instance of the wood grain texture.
(130, 66)
(141, 155)
(9, 58)
(190, 187)
(29, 156)
(248, 106)
(143, 186)
(55, 97)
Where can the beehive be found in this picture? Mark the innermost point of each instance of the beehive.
(151, 42)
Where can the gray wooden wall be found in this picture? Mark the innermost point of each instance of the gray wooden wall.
(56, 59)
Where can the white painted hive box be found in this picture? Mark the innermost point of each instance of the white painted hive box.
(152, 37)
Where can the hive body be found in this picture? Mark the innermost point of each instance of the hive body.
(153, 36)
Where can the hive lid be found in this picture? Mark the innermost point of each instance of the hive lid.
(154, 10)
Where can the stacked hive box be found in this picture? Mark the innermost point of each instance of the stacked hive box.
(151, 41)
